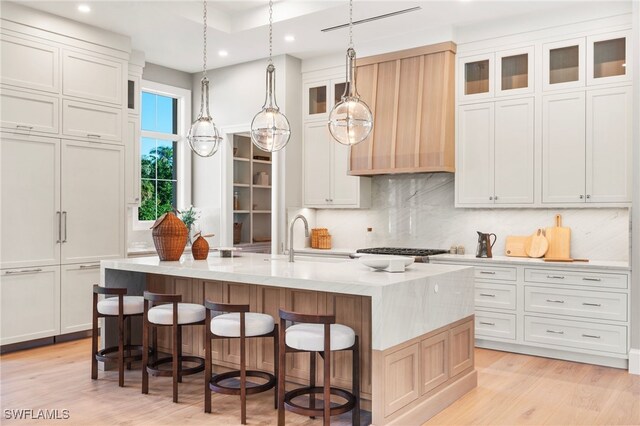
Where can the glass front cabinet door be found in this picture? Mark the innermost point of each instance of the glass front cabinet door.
(514, 71)
(316, 100)
(476, 77)
(608, 58)
(564, 64)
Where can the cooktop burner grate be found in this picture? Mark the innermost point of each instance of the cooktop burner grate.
(402, 251)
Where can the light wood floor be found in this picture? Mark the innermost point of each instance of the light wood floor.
(512, 389)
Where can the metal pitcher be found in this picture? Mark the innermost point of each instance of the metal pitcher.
(485, 244)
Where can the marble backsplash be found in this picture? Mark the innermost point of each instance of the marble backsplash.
(418, 211)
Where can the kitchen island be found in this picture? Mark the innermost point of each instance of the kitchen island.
(415, 327)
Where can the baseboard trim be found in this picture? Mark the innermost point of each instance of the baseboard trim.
(634, 361)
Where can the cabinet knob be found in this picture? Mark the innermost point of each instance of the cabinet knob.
(582, 197)
(588, 196)
(495, 197)
(490, 198)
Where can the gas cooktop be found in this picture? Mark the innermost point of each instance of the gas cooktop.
(415, 252)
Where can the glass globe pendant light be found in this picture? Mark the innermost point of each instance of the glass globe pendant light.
(270, 130)
(350, 120)
(204, 138)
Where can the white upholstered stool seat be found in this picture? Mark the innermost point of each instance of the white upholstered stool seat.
(310, 337)
(228, 325)
(132, 305)
(187, 313)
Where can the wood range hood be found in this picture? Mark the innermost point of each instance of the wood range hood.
(411, 94)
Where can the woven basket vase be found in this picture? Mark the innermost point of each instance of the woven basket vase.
(200, 248)
(169, 237)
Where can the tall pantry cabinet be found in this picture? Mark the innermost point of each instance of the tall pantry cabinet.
(62, 186)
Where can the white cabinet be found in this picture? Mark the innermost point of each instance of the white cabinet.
(476, 77)
(92, 202)
(608, 145)
(76, 296)
(30, 194)
(586, 147)
(96, 122)
(92, 77)
(496, 153)
(514, 71)
(608, 58)
(563, 64)
(132, 161)
(30, 300)
(474, 177)
(29, 112)
(563, 149)
(29, 64)
(326, 180)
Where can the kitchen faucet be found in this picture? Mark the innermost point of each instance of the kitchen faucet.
(306, 233)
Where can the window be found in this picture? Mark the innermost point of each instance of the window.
(165, 166)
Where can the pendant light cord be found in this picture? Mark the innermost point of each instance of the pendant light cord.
(270, 30)
(350, 23)
(204, 56)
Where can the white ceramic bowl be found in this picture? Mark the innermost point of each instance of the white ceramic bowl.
(379, 261)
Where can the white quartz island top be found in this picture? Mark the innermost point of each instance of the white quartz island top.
(526, 261)
(404, 305)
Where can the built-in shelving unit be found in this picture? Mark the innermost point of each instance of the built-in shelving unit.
(253, 211)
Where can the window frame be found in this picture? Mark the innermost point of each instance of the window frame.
(183, 187)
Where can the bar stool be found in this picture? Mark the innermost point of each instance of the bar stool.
(123, 308)
(238, 322)
(167, 310)
(318, 334)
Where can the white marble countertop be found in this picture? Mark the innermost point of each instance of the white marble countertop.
(506, 260)
(404, 305)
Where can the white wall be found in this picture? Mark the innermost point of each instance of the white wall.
(169, 76)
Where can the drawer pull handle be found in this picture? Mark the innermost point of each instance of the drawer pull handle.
(591, 336)
(93, 135)
(487, 323)
(591, 279)
(487, 295)
(23, 271)
(89, 266)
(555, 301)
(23, 126)
(555, 277)
(591, 304)
(555, 331)
(488, 272)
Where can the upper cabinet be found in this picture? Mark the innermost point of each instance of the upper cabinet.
(608, 58)
(563, 64)
(475, 77)
(29, 64)
(92, 77)
(320, 97)
(411, 96)
(514, 71)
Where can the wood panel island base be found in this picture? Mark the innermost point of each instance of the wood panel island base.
(416, 328)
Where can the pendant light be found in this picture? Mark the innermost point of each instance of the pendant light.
(203, 136)
(350, 120)
(270, 130)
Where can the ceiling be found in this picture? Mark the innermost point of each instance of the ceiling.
(170, 32)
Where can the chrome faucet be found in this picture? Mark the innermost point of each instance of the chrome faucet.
(306, 233)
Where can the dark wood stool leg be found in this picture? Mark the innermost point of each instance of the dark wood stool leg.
(145, 352)
(312, 380)
(128, 331)
(282, 356)
(175, 365)
(243, 380)
(275, 364)
(94, 339)
(207, 362)
(327, 376)
(179, 345)
(120, 346)
(154, 343)
(355, 415)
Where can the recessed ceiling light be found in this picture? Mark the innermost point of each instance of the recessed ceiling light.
(223, 53)
(84, 8)
(289, 38)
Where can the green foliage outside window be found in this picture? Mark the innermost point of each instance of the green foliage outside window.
(158, 174)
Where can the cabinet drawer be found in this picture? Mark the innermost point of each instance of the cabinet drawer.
(494, 324)
(576, 334)
(591, 279)
(579, 303)
(90, 121)
(93, 78)
(29, 64)
(488, 295)
(29, 112)
(496, 273)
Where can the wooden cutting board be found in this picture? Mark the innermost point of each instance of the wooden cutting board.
(514, 246)
(559, 238)
(538, 244)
